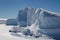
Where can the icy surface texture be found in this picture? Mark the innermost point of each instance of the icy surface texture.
(50, 23)
(22, 17)
(13, 22)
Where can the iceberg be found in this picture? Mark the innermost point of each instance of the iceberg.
(12, 22)
(38, 21)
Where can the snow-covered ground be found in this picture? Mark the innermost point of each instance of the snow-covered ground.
(5, 35)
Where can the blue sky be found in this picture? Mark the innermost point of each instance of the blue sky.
(10, 8)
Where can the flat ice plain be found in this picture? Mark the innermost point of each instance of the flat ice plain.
(5, 35)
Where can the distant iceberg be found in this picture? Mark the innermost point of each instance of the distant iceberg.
(3, 21)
